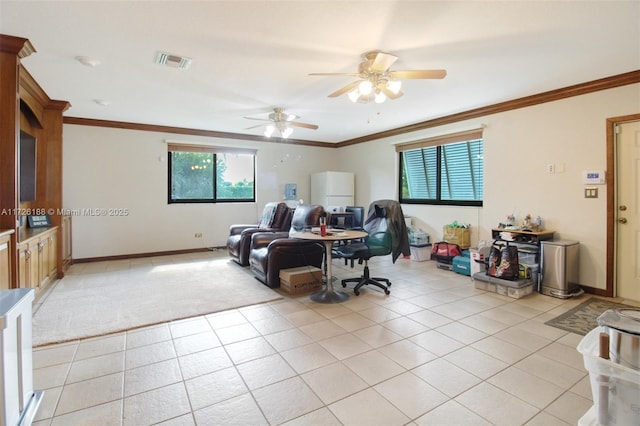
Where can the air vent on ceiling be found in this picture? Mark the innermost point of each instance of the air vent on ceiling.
(173, 61)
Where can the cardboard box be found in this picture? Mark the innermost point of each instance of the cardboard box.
(303, 279)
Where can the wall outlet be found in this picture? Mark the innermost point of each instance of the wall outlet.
(198, 235)
(551, 168)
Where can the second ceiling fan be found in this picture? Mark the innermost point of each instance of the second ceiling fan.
(281, 121)
(376, 81)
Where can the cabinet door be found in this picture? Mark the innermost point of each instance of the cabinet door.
(53, 255)
(28, 265)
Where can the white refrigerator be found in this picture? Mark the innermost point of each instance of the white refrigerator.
(332, 190)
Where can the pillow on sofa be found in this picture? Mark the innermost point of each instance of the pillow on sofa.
(268, 214)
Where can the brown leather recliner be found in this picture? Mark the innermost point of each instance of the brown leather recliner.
(271, 252)
(275, 217)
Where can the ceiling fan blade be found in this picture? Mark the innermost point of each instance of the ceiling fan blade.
(348, 74)
(259, 119)
(382, 62)
(416, 74)
(345, 89)
(257, 125)
(305, 125)
(390, 94)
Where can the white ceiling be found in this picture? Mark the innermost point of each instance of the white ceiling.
(251, 56)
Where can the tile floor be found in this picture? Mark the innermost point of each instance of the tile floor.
(436, 351)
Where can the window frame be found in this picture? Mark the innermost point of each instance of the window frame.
(437, 142)
(215, 151)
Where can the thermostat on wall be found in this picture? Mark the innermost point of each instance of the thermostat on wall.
(593, 177)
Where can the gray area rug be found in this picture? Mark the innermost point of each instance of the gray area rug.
(94, 300)
(582, 318)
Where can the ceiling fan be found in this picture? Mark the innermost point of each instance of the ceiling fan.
(376, 81)
(281, 121)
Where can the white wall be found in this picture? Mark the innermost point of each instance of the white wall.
(108, 168)
(518, 145)
(114, 168)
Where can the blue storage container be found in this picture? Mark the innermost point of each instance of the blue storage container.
(462, 265)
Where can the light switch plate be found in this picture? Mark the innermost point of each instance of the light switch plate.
(591, 192)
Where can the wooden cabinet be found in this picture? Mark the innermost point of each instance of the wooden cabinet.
(5, 259)
(37, 259)
(66, 242)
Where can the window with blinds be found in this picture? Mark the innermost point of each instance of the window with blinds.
(206, 174)
(446, 170)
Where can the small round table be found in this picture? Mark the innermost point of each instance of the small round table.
(329, 295)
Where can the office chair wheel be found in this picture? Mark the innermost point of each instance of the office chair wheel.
(357, 292)
(387, 292)
(344, 285)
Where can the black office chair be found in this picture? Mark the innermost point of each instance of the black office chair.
(377, 243)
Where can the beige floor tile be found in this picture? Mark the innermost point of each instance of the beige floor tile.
(272, 325)
(237, 333)
(215, 387)
(288, 339)
(496, 405)
(407, 354)
(196, 343)
(367, 407)
(90, 368)
(50, 377)
(286, 400)
(155, 406)
(551, 370)
(53, 355)
(321, 417)
(378, 314)
(304, 317)
(183, 420)
(529, 388)
(451, 413)
(204, 362)
(544, 419)
(258, 312)
(446, 377)
(248, 350)
(109, 414)
(429, 318)
(501, 350)
(148, 335)
(484, 324)
(412, 395)
(322, 330)
(188, 327)
(377, 336)
(334, 382)
(152, 376)
(436, 342)
(88, 393)
(240, 410)
(567, 355)
(404, 326)
(353, 321)
(265, 371)
(344, 346)
(570, 407)
(523, 338)
(309, 357)
(403, 307)
(100, 346)
(226, 319)
(476, 362)
(462, 333)
(47, 406)
(150, 354)
(374, 367)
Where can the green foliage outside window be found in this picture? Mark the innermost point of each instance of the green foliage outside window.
(193, 176)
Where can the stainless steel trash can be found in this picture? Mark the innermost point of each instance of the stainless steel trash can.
(559, 266)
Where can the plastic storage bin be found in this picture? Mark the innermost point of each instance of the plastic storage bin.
(620, 385)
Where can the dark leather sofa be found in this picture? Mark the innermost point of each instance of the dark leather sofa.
(276, 217)
(271, 252)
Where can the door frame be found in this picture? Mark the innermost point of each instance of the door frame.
(611, 174)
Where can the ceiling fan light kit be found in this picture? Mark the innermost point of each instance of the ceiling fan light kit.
(376, 81)
(281, 121)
